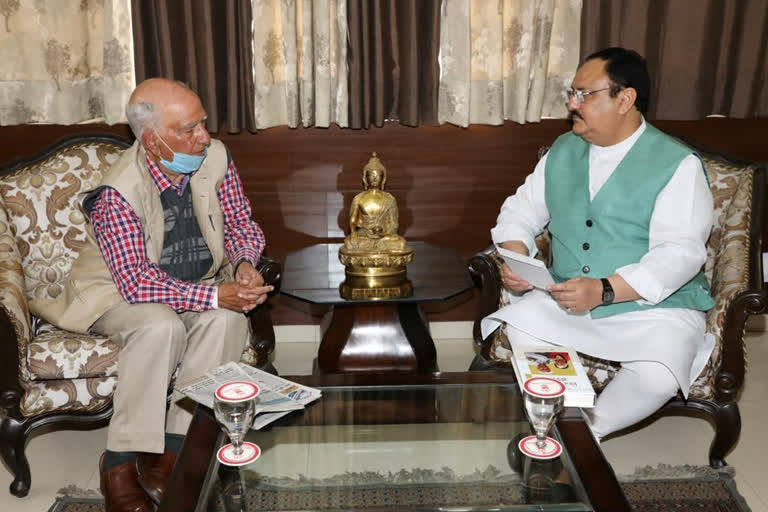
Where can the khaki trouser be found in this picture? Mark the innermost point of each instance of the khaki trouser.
(154, 340)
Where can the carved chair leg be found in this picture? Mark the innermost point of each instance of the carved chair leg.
(727, 427)
(13, 436)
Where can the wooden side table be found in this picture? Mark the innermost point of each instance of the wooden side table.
(370, 334)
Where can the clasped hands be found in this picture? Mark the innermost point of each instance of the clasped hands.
(577, 295)
(247, 290)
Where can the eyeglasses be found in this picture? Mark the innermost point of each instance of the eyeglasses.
(580, 94)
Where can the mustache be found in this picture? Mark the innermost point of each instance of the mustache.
(574, 113)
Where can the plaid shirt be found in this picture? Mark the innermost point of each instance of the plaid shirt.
(120, 237)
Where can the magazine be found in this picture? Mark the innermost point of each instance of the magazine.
(277, 396)
(559, 363)
(532, 270)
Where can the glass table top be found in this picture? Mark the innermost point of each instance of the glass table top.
(314, 274)
(403, 447)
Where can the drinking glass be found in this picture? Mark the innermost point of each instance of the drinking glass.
(234, 408)
(543, 398)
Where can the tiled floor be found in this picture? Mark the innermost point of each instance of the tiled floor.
(63, 458)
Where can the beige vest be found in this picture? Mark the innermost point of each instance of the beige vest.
(90, 291)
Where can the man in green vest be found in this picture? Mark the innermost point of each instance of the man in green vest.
(629, 212)
(168, 272)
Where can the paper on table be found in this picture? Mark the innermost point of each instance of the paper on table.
(532, 270)
(277, 398)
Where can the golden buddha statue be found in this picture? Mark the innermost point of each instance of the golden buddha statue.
(373, 252)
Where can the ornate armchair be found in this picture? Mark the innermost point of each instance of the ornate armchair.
(734, 270)
(49, 376)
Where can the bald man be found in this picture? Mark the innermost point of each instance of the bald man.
(168, 272)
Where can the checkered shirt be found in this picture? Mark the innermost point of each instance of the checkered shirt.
(120, 237)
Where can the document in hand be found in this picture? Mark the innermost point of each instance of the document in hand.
(559, 363)
(532, 270)
(277, 396)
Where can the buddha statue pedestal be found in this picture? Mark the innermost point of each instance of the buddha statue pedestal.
(375, 276)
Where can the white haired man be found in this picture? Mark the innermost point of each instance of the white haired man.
(168, 271)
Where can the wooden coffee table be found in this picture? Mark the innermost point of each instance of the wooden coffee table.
(397, 428)
(380, 335)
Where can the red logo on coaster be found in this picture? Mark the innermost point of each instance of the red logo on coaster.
(529, 447)
(237, 391)
(226, 454)
(544, 387)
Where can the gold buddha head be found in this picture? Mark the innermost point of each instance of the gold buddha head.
(374, 173)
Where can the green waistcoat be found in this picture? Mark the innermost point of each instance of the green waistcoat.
(594, 238)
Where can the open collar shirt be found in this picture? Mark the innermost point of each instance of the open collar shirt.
(120, 236)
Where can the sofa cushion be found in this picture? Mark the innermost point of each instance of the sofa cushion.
(41, 203)
(67, 395)
(57, 354)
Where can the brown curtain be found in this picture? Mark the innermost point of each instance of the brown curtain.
(207, 45)
(705, 56)
(393, 65)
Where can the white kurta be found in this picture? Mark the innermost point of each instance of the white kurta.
(679, 228)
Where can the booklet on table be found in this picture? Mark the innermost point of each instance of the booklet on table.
(559, 363)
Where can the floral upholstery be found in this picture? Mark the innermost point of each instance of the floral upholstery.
(58, 354)
(41, 232)
(726, 269)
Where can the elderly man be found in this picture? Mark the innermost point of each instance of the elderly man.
(168, 224)
(629, 211)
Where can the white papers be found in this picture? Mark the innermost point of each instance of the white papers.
(277, 396)
(532, 270)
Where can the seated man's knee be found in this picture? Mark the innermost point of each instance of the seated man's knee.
(657, 379)
(225, 321)
(159, 322)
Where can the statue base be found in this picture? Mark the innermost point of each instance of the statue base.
(375, 275)
(375, 264)
(376, 287)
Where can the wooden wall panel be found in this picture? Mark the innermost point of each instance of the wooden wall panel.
(449, 181)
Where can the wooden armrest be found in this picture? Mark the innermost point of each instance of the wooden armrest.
(486, 276)
(270, 270)
(10, 371)
(263, 339)
(750, 298)
(15, 328)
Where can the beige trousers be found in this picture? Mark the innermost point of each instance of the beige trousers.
(154, 340)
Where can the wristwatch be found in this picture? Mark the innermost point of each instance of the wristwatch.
(608, 294)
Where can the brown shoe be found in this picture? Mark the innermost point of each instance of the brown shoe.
(121, 489)
(154, 471)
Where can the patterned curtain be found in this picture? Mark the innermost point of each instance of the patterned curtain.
(65, 62)
(205, 44)
(300, 62)
(507, 59)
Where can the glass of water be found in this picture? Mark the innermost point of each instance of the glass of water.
(543, 398)
(234, 408)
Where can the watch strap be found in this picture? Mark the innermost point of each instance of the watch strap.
(608, 293)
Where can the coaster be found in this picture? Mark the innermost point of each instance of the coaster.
(544, 387)
(237, 391)
(529, 447)
(226, 454)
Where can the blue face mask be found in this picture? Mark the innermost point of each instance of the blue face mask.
(183, 163)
